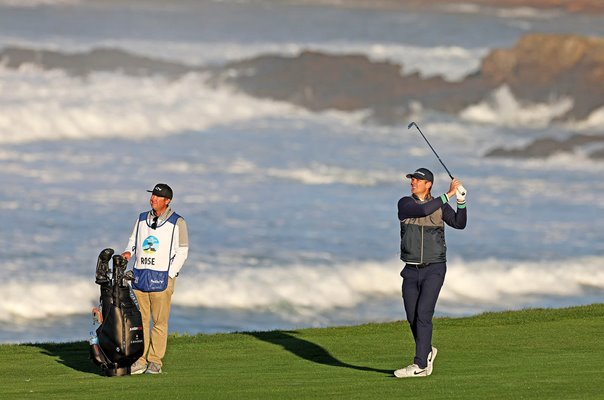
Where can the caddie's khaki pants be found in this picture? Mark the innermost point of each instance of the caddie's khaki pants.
(155, 306)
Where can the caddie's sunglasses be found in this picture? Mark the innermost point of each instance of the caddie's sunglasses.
(154, 224)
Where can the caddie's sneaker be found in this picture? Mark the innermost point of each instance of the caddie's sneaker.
(138, 367)
(431, 358)
(411, 371)
(153, 368)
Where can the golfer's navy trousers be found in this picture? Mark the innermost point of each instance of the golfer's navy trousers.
(421, 287)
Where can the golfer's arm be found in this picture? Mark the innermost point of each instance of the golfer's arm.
(454, 219)
(409, 208)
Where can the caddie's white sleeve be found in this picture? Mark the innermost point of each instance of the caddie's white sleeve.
(132, 240)
(182, 248)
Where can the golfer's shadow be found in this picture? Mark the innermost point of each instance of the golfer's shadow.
(73, 355)
(308, 350)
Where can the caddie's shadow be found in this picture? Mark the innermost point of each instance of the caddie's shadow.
(308, 350)
(73, 355)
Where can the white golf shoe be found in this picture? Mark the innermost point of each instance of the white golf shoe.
(138, 367)
(411, 371)
(431, 358)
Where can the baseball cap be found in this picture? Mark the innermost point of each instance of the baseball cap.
(162, 190)
(422, 173)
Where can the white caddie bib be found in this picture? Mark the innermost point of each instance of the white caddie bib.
(154, 251)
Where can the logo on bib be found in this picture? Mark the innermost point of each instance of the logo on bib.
(150, 245)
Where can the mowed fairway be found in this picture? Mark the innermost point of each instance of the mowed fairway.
(532, 354)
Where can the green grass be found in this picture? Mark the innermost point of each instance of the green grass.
(532, 354)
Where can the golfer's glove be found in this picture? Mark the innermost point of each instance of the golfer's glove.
(460, 193)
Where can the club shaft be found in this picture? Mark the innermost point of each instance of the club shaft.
(432, 148)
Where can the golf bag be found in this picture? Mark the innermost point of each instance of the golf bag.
(119, 338)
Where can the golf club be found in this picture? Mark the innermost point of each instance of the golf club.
(462, 190)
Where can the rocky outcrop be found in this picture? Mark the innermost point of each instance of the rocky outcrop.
(539, 69)
(319, 81)
(101, 59)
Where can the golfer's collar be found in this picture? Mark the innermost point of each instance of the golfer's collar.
(428, 197)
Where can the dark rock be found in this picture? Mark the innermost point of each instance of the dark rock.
(543, 148)
(101, 59)
(319, 81)
(597, 155)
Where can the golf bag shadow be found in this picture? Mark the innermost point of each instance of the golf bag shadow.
(120, 334)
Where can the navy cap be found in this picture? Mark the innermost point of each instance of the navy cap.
(162, 190)
(422, 173)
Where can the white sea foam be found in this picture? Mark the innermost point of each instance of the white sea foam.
(320, 174)
(529, 13)
(451, 62)
(313, 174)
(316, 173)
(36, 3)
(50, 105)
(503, 109)
(30, 299)
(299, 291)
(511, 285)
(594, 121)
(526, 13)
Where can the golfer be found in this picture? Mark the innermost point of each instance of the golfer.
(423, 250)
(160, 245)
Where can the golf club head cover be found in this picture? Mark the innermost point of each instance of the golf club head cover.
(102, 266)
(119, 267)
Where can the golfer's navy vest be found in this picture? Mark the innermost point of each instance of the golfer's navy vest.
(423, 239)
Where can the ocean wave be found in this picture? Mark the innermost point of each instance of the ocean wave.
(453, 63)
(527, 13)
(505, 110)
(530, 13)
(50, 105)
(595, 120)
(36, 3)
(297, 291)
(313, 174)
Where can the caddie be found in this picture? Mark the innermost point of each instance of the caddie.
(159, 244)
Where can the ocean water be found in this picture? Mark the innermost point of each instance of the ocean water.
(291, 214)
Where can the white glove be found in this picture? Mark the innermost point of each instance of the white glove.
(460, 193)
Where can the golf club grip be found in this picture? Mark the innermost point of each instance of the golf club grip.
(462, 190)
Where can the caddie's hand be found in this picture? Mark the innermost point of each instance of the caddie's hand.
(127, 255)
(461, 193)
